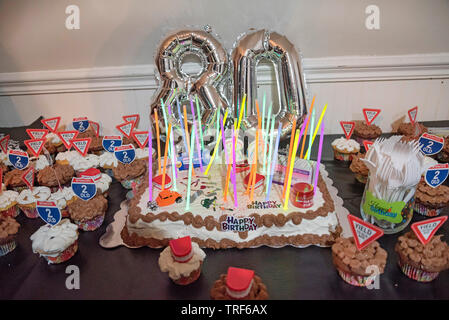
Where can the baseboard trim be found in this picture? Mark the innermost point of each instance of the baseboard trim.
(317, 70)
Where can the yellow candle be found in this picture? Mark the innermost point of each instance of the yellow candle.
(290, 173)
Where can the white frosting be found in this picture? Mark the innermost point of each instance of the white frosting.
(59, 198)
(142, 153)
(5, 159)
(103, 183)
(53, 138)
(51, 241)
(40, 163)
(8, 197)
(108, 159)
(77, 161)
(348, 145)
(176, 269)
(37, 194)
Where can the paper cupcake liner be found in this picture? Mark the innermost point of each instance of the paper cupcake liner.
(343, 156)
(192, 277)
(358, 281)
(91, 225)
(417, 274)
(361, 178)
(7, 247)
(30, 212)
(10, 212)
(425, 211)
(63, 256)
(128, 184)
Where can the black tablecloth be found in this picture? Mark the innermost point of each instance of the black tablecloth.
(123, 273)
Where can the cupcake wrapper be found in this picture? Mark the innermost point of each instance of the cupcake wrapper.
(343, 156)
(358, 281)
(65, 255)
(425, 211)
(90, 225)
(183, 281)
(30, 212)
(7, 248)
(11, 212)
(128, 184)
(417, 274)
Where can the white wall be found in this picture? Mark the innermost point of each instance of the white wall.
(104, 70)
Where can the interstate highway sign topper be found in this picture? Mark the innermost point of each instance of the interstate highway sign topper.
(84, 188)
(125, 154)
(437, 174)
(80, 124)
(18, 158)
(49, 212)
(431, 144)
(110, 142)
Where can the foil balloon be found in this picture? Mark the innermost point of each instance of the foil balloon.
(178, 85)
(260, 45)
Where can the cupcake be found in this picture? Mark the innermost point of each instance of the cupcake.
(55, 176)
(345, 149)
(96, 144)
(56, 243)
(88, 215)
(131, 173)
(8, 204)
(431, 201)
(39, 163)
(183, 260)
(363, 131)
(107, 161)
(352, 263)
(126, 140)
(102, 180)
(13, 180)
(420, 262)
(77, 161)
(54, 143)
(443, 155)
(410, 129)
(63, 197)
(26, 201)
(239, 284)
(359, 168)
(8, 231)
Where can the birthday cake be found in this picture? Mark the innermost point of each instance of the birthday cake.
(213, 222)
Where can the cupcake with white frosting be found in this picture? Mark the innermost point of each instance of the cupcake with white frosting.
(63, 197)
(26, 201)
(77, 161)
(56, 243)
(8, 204)
(9, 228)
(40, 162)
(183, 260)
(345, 149)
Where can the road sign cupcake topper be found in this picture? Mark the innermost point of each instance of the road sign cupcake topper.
(431, 144)
(28, 177)
(370, 115)
(81, 145)
(18, 158)
(239, 279)
(364, 233)
(37, 133)
(426, 229)
(84, 188)
(437, 174)
(132, 118)
(80, 124)
(51, 123)
(66, 137)
(35, 145)
(49, 212)
(367, 144)
(181, 249)
(141, 137)
(348, 128)
(412, 113)
(126, 128)
(4, 143)
(125, 154)
(110, 142)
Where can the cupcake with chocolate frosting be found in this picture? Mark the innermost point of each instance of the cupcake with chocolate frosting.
(183, 260)
(431, 201)
(363, 131)
(26, 201)
(411, 129)
(420, 262)
(14, 181)
(359, 168)
(56, 175)
(88, 215)
(239, 284)
(352, 263)
(130, 173)
(9, 228)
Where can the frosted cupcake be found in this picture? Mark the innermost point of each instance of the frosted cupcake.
(88, 215)
(8, 231)
(14, 181)
(56, 244)
(410, 129)
(8, 204)
(130, 174)
(182, 259)
(26, 201)
(352, 264)
(239, 284)
(54, 144)
(359, 168)
(62, 198)
(107, 161)
(102, 180)
(363, 131)
(39, 163)
(55, 176)
(345, 149)
(419, 262)
(430, 201)
(77, 161)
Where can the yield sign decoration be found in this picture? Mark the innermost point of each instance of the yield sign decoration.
(141, 137)
(35, 145)
(28, 177)
(51, 123)
(412, 114)
(348, 128)
(67, 136)
(370, 115)
(37, 133)
(132, 118)
(4, 143)
(126, 128)
(364, 232)
(81, 145)
(367, 144)
(425, 229)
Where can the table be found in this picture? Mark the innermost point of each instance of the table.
(123, 273)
